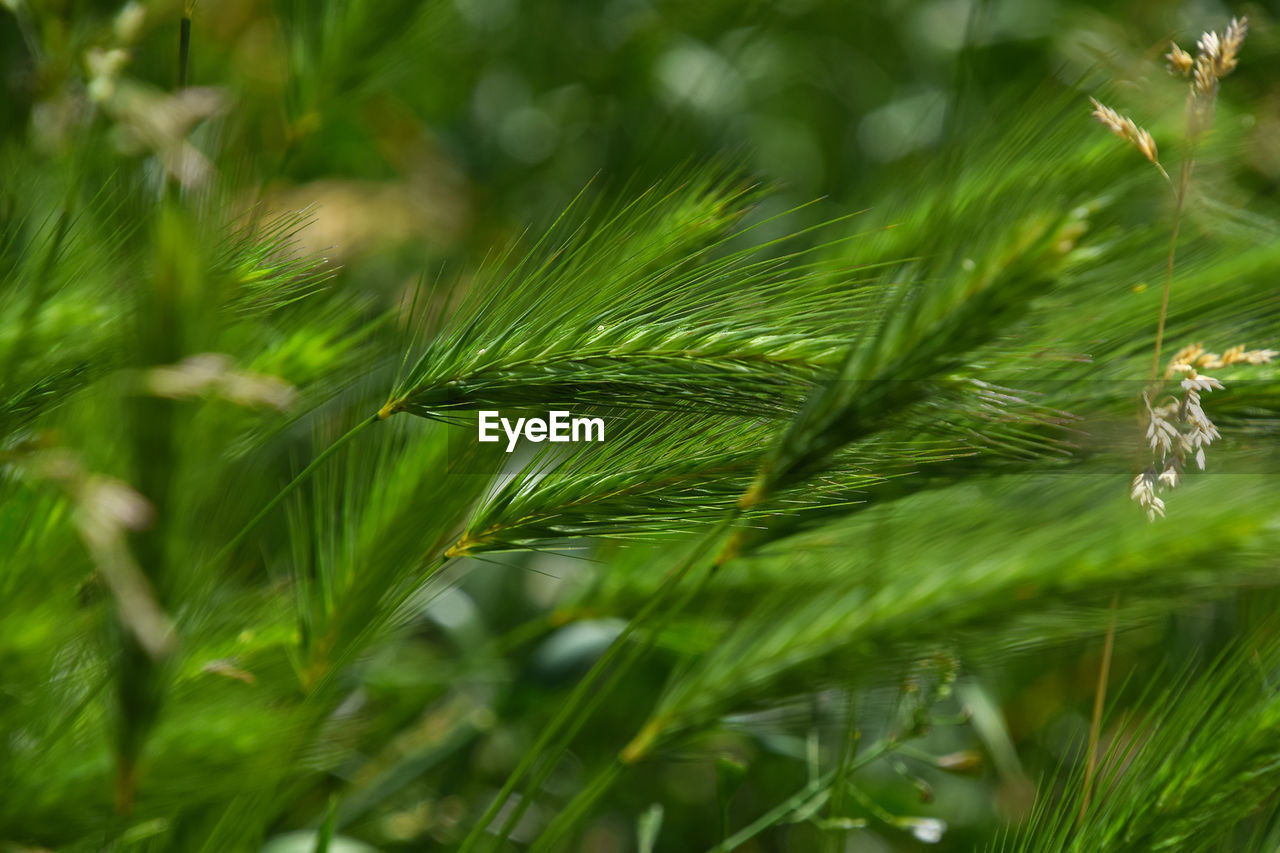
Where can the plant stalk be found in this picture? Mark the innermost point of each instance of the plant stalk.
(293, 484)
(184, 48)
(586, 694)
(1099, 701)
(581, 803)
(799, 799)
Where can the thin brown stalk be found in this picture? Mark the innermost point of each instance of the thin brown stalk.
(1104, 668)
(1095, 724)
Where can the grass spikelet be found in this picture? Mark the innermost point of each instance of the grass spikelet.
(661, 478)
(853, 605)
(1179, 61)
(668, 305)
(1124, 127)
(1177, 429)
(1222, 51)
(1216, 57)
(261, 262)
(926, 334)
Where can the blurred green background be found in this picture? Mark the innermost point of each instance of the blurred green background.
(431, 132)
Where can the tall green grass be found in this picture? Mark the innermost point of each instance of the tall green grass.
(838, 574)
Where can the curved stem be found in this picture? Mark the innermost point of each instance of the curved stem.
(577, 807)
(184, 48)
(802, 797)
(293, 484)
(587, 694)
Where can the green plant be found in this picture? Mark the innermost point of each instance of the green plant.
(857, 489)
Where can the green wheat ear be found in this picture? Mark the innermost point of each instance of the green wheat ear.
(667, 305)
(667, 302)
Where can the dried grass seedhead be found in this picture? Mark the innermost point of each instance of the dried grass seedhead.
(1216, 57)
(1126, 129)
(1180, 62)
(1194, 356)
(1226, 48)
(1209, 45)
(107, 511)
(1204, 83)
(1177, 429)
(212, 375)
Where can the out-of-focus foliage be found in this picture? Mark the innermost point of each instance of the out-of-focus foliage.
(867, 301)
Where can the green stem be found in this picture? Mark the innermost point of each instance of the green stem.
(293, 484)
(776, 814)
(639, 746)
(184, 48)
(577, 807)
(583, 714)
(586, 691)
(796, 801)
(1095, 723)
(848, 754)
